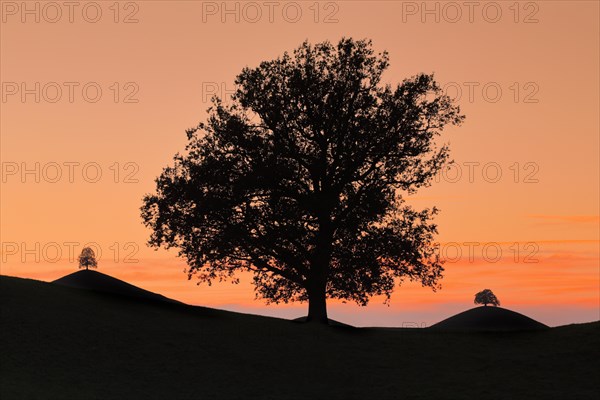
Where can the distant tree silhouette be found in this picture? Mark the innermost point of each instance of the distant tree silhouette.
(299, 180)
(485, 297)
(87, 258)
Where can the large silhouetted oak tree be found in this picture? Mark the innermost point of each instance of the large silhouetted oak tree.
(299, 179)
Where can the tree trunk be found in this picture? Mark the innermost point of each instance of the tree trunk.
(317, 305)
(317, 285)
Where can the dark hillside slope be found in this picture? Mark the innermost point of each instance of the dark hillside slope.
(93, 280)
(489, 319)
(62, 343)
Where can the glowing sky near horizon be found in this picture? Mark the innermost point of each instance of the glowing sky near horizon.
(519, 211)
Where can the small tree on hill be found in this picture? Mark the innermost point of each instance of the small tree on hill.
(87, 258)
(485, 297)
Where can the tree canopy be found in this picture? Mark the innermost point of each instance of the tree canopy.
(485, 297)
(300, 179)
(87, 258)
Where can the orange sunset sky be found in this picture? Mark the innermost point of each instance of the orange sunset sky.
(96, 99)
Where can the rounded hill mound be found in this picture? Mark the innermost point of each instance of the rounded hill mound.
(489, 319)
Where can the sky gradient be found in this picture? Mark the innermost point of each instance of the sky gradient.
(519, 210)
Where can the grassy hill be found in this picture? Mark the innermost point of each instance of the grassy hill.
(60, 342)
(97, 281)
(492, 319)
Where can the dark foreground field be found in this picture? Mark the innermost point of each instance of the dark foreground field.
(64, 343)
